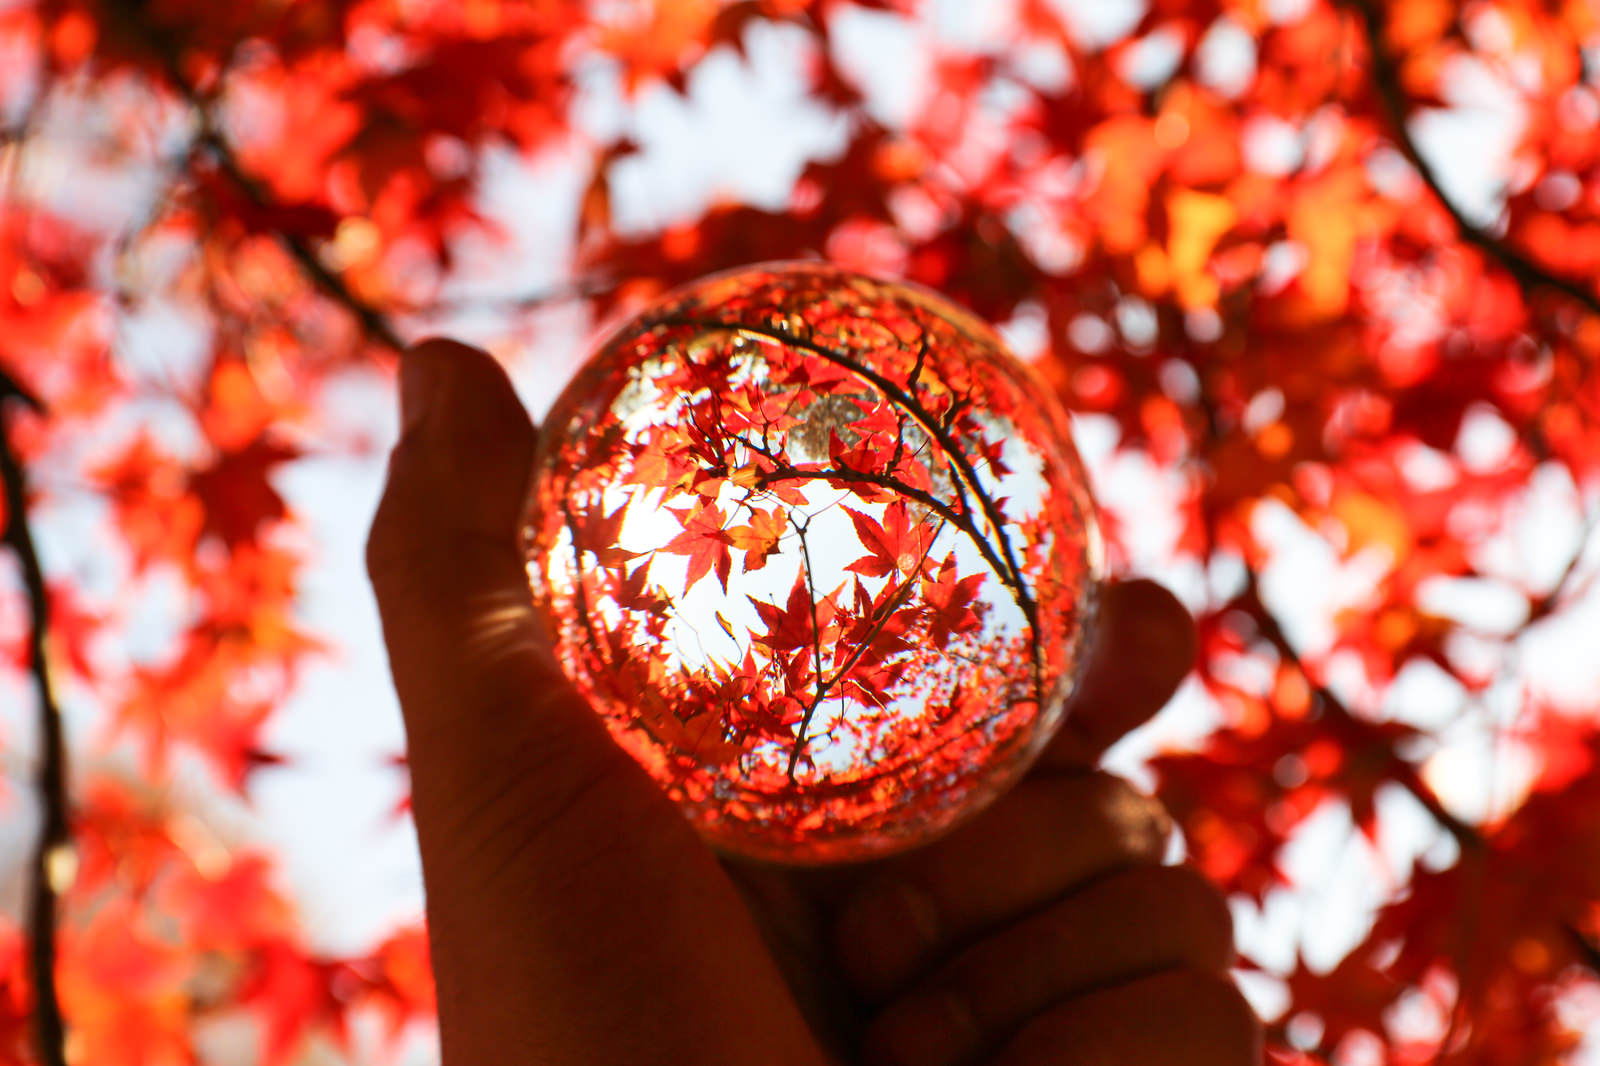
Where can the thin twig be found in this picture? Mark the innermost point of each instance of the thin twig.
(54, 831)
(961, 521)
(895, 601)
(816, 645)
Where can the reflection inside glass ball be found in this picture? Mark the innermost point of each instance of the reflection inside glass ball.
(820, 552)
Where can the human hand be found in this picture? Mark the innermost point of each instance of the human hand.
(575, 917)
(1045, 930)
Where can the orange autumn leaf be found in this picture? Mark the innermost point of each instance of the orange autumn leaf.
(657, 37)
(1324, 218)
(759, 538)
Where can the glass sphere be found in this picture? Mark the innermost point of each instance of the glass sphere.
(820, 552)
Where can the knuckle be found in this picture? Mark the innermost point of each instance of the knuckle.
(489, 827)
(1201, 911)
(1217, 1005)
(928, 1025)
(1139, 822)
(883, 931)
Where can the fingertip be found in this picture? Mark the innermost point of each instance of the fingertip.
(1147, 624)
(1145, 646)
(883, 932)
(458, 476)
(454, 386)
(437, 343)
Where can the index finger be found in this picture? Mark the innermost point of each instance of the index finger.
(1146, 644)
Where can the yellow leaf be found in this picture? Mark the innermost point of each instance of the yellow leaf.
(1369, 520)
(746, 476)
(1197, 220)
(1325, 220)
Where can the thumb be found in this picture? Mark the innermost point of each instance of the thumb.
(571, 909)
(479, 689)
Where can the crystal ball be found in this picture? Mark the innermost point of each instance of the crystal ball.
(820, 551)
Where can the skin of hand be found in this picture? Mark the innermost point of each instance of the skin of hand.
(574, 916)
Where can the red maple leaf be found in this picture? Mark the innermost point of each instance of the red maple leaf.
(791, 627)
(236, 491)
(893, 544)
(598, 533)
(705, 542)
(952, 602)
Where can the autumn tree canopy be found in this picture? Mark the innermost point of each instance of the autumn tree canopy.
(1218, 229)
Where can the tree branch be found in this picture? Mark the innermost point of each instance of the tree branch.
(1467, 836)
(54, 831)
(373, 322)
(1528, 275)
(1392, 95)
(1402, 772)
(893, 604)
(1567, 584)
(901, 395)
(960, 520)
(816, 644)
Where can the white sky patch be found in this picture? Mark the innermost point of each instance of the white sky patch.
(745, 131)
(1098, 23)
(887, 56)
(1271, 145)
(1470, 144)
(532, 253)
(1226, 59)
(1153, 59)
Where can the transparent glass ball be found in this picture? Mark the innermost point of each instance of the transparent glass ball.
(821, 553)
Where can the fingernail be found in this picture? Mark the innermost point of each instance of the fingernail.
(421, 374)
